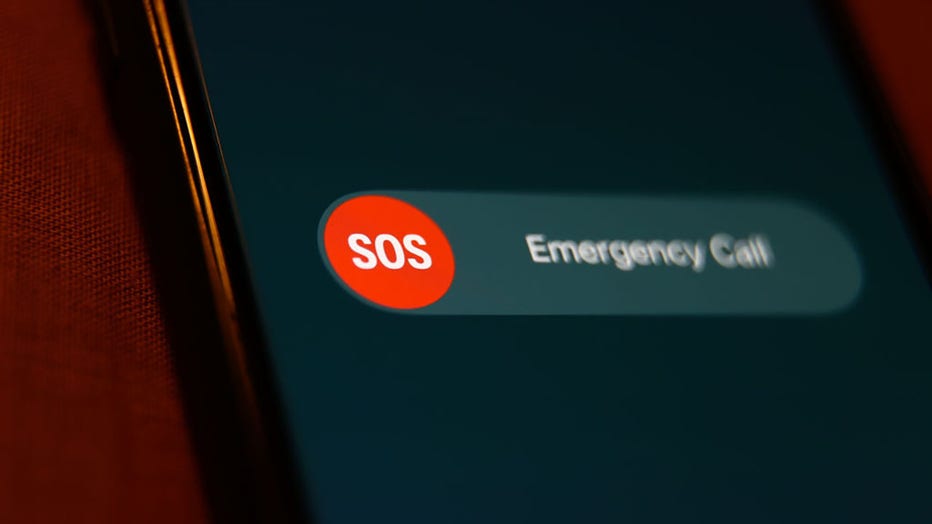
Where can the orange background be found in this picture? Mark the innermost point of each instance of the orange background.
(403, 288)
(91, 421)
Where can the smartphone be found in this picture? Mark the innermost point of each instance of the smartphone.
(554, 261)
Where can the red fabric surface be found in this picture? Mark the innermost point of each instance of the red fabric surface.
(91, 423)
(898, 37)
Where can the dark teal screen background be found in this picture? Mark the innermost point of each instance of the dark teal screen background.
(567, 419)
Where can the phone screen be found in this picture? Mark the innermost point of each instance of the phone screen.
(574, 261)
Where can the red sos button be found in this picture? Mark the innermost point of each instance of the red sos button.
(388, 251)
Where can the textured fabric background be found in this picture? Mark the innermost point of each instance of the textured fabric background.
(91, 425)
(898, 38)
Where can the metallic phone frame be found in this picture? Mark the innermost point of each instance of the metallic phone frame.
(159, 34)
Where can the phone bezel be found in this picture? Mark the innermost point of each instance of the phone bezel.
(170, 36)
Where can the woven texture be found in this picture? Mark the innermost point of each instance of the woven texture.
(91, 422)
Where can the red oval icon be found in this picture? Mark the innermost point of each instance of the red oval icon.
(388, 251)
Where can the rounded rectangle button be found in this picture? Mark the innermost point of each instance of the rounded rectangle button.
(536, 254)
